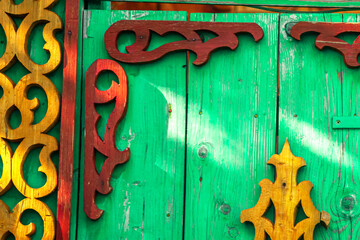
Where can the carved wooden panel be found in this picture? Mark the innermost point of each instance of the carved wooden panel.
(328, 38)
(28, 134)
(95, 181)
(287, 196)
(137, 53)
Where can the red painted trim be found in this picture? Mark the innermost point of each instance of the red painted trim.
(93, 181)
(137, 53)
(328, 38)
(67, 134)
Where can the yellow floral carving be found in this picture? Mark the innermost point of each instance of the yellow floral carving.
(286, 195)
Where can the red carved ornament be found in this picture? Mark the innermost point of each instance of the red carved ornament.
(328, 38)
(94, 181)
(226, 37)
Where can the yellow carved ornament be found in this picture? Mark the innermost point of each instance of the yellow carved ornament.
(286, 195)
(30, 135)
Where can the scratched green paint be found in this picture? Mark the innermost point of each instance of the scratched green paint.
(231, 131)
(32, 163)
(315, 87)
(147, 197)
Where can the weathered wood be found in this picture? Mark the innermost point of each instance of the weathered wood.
(32, 131)
(14, 226)
(292, 3)
(286, 195)
(93, 181)
(231, 130)
(346, 122)
(68, 112)
(315, 87)
(226, 37)
(148, 190)
(328, 38)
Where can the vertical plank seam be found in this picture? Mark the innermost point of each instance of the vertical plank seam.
(277, 114)
(81, 29)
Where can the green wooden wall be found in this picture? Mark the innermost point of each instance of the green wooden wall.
(315, 87)
(147, 198)
(232, 118)
(195, 168)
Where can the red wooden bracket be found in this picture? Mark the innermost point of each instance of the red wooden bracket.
(226, 37)
(327, 38)
(66, 157)
(94, 181)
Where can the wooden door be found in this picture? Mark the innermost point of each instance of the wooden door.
(316, 87)
(147, 197)
(200, 136)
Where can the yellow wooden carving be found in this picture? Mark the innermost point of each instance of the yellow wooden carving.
(286, 195)
(28, 134)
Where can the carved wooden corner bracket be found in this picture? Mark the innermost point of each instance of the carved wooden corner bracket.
(328, 38)
(94, 181)
(286, 196)
(226, 37)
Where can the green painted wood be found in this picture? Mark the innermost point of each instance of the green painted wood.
(346, 122)
(292, 3)
(103, 5)
(147, 197)
(231, 131)
(316, 86)
(32, 163)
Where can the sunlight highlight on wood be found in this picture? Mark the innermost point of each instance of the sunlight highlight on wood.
(286, 196)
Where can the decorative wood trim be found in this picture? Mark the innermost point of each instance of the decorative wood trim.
(66, 157)
(30, 135)
(287, 196)
(137, 52)
(327, 38)
(94, 181)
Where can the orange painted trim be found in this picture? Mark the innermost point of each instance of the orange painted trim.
(67, 133)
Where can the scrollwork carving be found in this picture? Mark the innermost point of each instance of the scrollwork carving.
(137, 53)
(94, 181)
(30, 135)
(328, 37)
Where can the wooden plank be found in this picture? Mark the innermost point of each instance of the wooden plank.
(70, 102)
(315, 87)
(147, 197)
(290, 3)
(231, 130)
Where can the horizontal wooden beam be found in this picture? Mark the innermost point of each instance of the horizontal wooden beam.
(292, 3)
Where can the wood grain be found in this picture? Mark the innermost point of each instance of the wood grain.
(147, 197)
(286, 195)
(328, 38)
(68, 118)
(315, 87)
(31, 133)
(93, 181)
(231, 130)
(137, 52)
